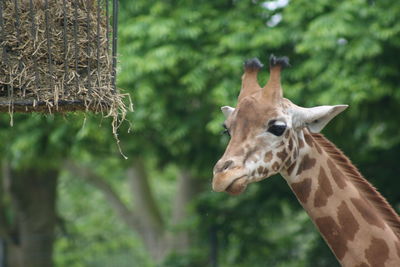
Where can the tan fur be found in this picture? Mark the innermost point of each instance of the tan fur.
(368, 190)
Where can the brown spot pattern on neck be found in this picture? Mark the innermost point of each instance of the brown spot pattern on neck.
(306, 164)
(351, 174)
(291, 168)
(367, 212)
(324, 190)
(377, 253)
(337, 235)
(337, 175)
(347, 221)
(302, 189)
(333, 235)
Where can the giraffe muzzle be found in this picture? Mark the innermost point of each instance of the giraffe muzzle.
(233, 181)
(237, 186)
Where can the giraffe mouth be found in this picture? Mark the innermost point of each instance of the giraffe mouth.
(237, 186)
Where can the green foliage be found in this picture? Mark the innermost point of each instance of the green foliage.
(177, 61)
(32, 135)
(46, 141)
(92, 234)
(263, 227)
(181, 61)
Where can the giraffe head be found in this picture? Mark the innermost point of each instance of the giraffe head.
(266, 129)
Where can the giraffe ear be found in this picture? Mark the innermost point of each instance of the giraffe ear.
(227, 110)
(316, 118)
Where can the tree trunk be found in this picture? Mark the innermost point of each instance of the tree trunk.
(151, 223)
(2, 253)
(187, 189)
(13, 255)
(145, 218)
(33, 196)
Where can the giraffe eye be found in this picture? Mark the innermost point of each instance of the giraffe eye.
(277, 129)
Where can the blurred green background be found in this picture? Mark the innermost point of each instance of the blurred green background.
(86, 205)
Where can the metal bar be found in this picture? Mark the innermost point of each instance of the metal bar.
(65, 40)
(114, 44)
(107, 24)
(18, 35)
(17, 32)
(98, 41)
(108, 36)
(29, 102)
(88, 7)
(4, 55)
(42, 106)
(17, 23)
(33, 33)
(1, 21)
(76, 43)
(49, 52)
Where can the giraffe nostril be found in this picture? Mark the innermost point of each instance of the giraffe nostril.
(227, 164)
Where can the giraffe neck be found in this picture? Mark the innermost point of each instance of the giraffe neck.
(358, 224)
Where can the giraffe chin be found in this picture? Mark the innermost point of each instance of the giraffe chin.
(237, 187)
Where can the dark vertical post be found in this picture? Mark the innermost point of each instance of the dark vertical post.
(114, 44)
(3, 258)
(213, 246)
(33, 192)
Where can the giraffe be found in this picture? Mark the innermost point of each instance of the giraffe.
(269, 135)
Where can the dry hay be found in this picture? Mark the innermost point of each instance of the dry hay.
(75, 75)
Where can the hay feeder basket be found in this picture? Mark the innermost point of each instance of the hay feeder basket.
(58, 56)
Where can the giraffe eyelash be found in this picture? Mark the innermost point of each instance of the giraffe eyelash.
(226, 130)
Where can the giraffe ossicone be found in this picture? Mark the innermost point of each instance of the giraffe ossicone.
(269, 135)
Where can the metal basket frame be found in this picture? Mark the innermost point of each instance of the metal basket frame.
(11, 104)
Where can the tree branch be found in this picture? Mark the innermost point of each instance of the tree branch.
(188, 189)
(152, 235)
(122, 210)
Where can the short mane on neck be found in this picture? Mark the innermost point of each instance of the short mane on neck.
(366, 189)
